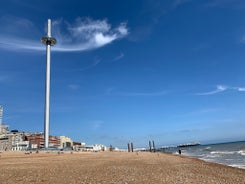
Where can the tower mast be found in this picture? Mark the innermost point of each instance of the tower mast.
(1, 118)
(48, 41)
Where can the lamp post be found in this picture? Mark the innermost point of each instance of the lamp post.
(48, 41)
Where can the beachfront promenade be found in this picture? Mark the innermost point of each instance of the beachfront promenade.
(112, 167)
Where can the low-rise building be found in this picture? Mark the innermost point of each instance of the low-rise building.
(99, 147)
(79, 146)
(37, 141)
(18, 141)
(65, 142)
(5, 143)
(14, 141)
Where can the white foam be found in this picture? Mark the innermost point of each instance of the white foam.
(238, 166)
(207, 148)
(242, 152)
(223, 152)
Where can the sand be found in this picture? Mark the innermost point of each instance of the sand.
(113, 167)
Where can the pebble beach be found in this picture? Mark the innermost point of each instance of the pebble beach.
(112, 167)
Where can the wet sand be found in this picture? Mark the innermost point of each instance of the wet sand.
(112, 167)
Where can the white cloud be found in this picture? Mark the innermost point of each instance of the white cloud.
(87, 26)
(123, 29)
(84, 34)
(219, 88)
(120, 56)
(222, 88)
(241, 89)
(101, 39)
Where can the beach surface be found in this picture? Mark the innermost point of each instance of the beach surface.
(112, 167)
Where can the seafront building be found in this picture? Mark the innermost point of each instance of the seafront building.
(13, 141)
(18, 141)
(65, 142)
(99, 147)
(22, 141)
(5, 143)
(36, 141)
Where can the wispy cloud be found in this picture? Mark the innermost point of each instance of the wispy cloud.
(83, 34)
(120, 56)
(92, 65)
(222, 88)
(219, 88)
(89, 64)
(111, 91)
(240, 88)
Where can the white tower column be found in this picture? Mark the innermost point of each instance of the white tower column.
(1, 119)
(48, 41)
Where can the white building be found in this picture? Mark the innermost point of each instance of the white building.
(99, 147)
(18, 142)
(65, 142)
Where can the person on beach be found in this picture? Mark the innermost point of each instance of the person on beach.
(179, 151)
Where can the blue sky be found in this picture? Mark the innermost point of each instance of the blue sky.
(171, 71)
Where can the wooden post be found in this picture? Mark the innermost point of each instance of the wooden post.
(132, 147)
(129, 147)
(153, 144)
(150, 145)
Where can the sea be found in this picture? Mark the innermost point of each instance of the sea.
(231, 154)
